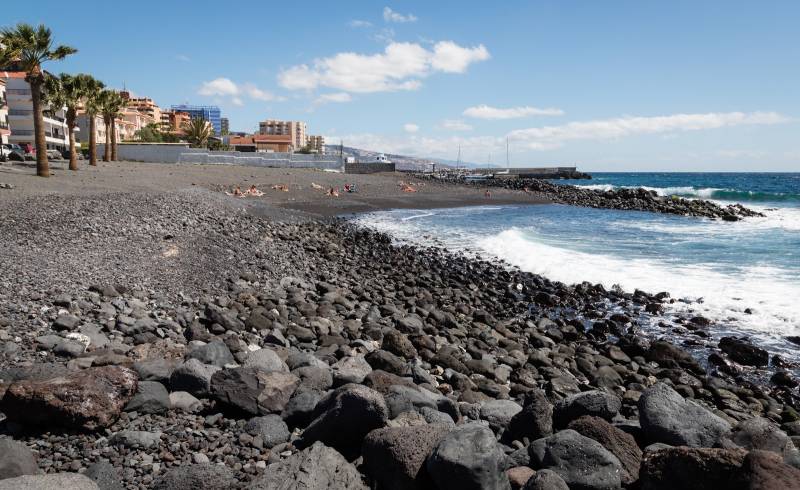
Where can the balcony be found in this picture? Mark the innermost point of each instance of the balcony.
(20, 112)
(21, 132)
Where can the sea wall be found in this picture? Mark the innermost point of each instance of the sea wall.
(172, 153)
(368, 168)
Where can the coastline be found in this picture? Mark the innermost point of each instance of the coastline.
(150, 265)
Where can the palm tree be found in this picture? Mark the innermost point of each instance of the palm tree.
(111, 103)
(197, 131)
(70, 91)
(28, 47)
(93, 89)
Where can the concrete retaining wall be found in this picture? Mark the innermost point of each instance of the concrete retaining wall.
(172, 153)
(368, 168)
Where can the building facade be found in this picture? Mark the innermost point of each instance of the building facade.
(145, 105)
(174, 121)
(295, 129)
(4, 130)
(20, 115)
(125, 129)
(316, 143)
(282, 143)
(225, 126)
(210, 113)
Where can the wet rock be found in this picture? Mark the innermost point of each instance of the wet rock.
(619, 443)
(691, 468)
(253, 390)
(468, 458)
(88, 399)
(596, 403)
(743, 352)
(316, 468)
(271, 428)
(581, 462)
(345, 417)
(16, 459)
(665, 416)
(395, 456)
(53, 481)
(670, 356)
(150, 397)
(196, 477)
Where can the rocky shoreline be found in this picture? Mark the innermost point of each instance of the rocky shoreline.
(179, 341)
(623, 199)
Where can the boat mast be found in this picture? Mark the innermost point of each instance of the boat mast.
(507, 165)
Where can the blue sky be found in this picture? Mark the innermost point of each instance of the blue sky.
(619, 85)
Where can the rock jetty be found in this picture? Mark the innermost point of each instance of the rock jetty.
(623, 198)
(319, 355)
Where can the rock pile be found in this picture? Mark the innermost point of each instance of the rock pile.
(373, 365)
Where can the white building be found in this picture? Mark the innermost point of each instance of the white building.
(20, 115)
(4, 131)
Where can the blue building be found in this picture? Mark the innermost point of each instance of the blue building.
(210, 113)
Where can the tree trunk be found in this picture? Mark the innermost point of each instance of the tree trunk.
(92, 140)
(73, 160)
(107, 149)
(42, 166)
(114, 140)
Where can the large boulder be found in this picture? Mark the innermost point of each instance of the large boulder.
(253, 390)
(90, 399)
(468, 458)
(760, 433)
(345, 417)
(619, 443)
(765, 470)
(215, 353)
(16, 459)
(315, 468)
(266, 360)
(583, 463)
(665, 416)
(499, 412)
(691, 468)
(193, 377)
(350, 370)
(595, 403)
(196, 477)
(395, 456)
(53, 481)
(743, 352)
(545, 480)
(536, 418)
(669, 356)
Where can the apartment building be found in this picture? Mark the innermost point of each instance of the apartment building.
(4, 130)
(125, 130)
(316, 143)
(20, 115)
(225, 126)
(174, 121)
(296, 129)
(145, 105)
(136, 120)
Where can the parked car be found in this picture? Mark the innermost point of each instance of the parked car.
(54, 155)
(12, 152)
(78, 154)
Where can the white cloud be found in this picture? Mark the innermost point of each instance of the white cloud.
(399, 67)
(390, 15)
(472, 148)
(484, 111)
(451, 58)
(410, 128)
(333, 97)
(455, 125)
(359, 23)
(225, 87)
(548, 137)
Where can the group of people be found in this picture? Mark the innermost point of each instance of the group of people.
(252, 191)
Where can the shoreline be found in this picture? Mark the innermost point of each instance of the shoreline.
(173, 284)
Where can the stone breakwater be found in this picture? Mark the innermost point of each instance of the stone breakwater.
(625, 199)
(370, 365)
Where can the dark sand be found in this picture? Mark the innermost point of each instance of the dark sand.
(375, 192)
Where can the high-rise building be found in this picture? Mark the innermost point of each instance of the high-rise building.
(145, 105)
(210, 113)
(4, 131)
(174, 121)
(225, 126)
(295, 129)
(20, 115)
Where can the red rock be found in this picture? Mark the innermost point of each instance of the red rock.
(89, 399)
(519, 476)
(765, 470)
(690, 468)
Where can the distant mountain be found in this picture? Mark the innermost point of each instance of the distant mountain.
(403, 162)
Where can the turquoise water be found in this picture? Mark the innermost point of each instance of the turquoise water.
(720, 269)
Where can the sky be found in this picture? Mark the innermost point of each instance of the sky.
(607, 86)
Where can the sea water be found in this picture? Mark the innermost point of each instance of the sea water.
(743, 275)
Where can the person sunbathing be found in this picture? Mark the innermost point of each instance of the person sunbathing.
(253, 191)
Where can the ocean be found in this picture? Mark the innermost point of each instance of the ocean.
(743, 275)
